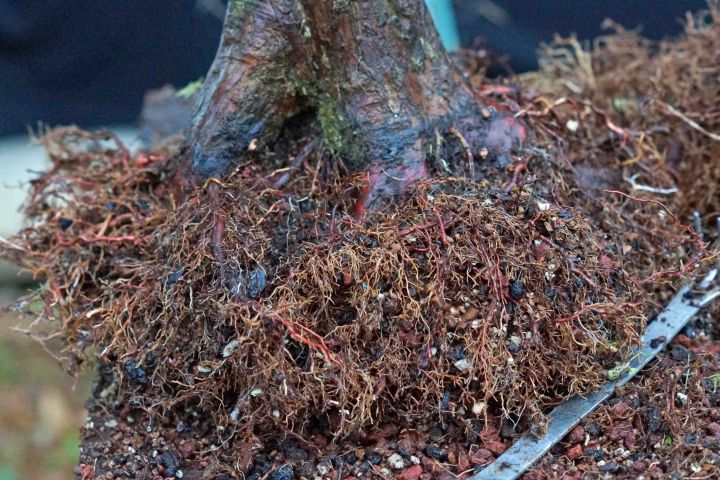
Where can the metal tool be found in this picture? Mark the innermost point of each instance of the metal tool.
(529, 449)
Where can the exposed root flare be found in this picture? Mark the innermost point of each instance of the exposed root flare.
(456, 290)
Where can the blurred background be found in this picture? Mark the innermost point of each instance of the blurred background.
(91, 62)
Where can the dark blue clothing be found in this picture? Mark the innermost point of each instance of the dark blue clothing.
(90, 61)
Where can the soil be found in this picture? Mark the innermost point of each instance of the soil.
(256, 327)
(652, 429)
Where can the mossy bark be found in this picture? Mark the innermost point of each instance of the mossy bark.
(373, 72)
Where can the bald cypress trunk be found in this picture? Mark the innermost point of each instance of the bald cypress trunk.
(372, 72)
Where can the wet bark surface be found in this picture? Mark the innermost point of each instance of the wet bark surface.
(372, 73)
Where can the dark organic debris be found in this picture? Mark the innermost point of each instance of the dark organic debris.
(136, 373)
(517, 288)
(433, 451)
(283, 473)
(65, 223)
(173, 278)
(170, 462)
(257, 282)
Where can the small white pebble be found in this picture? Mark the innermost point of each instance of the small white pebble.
(323, 469)
(230, 348)
(131, 449)
(111, 423)
(234, 414)
(478, 408)
(415, 460)
(385, 472)
(179, 474)
(396, 461)
(696, 468)
(276, 413)
(463, 364)
(572, 125)
(682, 398)
(601, 463)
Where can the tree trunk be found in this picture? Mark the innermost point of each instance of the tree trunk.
(372, 72)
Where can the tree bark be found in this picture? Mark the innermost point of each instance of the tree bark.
(372, 72)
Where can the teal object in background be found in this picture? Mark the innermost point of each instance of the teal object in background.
(7, 473)
(444, 18)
